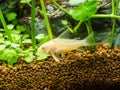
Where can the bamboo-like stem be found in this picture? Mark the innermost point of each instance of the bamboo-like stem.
(114, 11)
(113, 7)
(89, 27)
(90, 30)
(61, 8)
(105, 16)
(46, 19)
(77, 26)
(7, 31)
(33, 32)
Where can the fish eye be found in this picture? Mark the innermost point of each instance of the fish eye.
(43, 48)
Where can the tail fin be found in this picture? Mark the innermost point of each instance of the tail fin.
(90, 40)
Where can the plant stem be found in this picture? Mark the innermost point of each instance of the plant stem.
(114, 11)
(105, 16)
(61, 8)
(28, 3)
(77, 26)
(112, 32)
(7, 31)
(90, 30)
(113, 25)
(113, 7)
(33, 32)
(89, 27)
(46, 19)
(70, 29)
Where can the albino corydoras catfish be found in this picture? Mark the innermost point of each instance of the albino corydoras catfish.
(59, 45)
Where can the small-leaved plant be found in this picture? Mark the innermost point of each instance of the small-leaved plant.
(15, 41)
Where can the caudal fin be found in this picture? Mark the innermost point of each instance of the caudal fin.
(90, 40)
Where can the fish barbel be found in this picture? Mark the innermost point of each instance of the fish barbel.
(62, 45)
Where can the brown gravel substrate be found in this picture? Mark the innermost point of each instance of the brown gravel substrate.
(77, 71)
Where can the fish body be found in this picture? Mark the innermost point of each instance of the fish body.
(62, 45)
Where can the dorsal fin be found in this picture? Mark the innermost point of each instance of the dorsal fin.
(65, 34)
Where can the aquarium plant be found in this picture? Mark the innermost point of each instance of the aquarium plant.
(87, 11)
(16, 42)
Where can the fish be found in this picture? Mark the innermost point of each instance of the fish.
(60, 46)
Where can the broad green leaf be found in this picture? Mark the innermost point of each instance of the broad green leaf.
(1, 29)
(27, 41)
(25, 36)
(2, 40)
(11, 16)
(10, 56)
(15, 31)
(27, 52)
(7, 43)
(25, 1)
(40, 36)
(2, 47)
(41, 56)
(1, 34)
(10, 26)
(12, 59)
(21, 28)
(84, 11)
(29, 58)
(16, 38)
(14, 45)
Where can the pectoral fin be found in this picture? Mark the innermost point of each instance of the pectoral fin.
(55, 57)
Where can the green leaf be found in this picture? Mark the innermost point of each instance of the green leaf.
(14, 45)
(27, 41)
(2, 40)
(16, 38)
(7, 43)
(10, 26)
(15, 31)
(1, 30)
(21, 28)
(40, 36)
(41, 56)
(29, 58)
(10, 56)
(84, 12)
(2, 47)
(25, 1)
(11, 16)
(25, 36)
(12, 59)
(1, 34)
